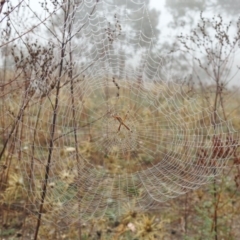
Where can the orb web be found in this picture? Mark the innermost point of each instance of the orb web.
(124, 132)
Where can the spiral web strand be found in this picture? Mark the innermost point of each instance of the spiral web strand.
(125, 130)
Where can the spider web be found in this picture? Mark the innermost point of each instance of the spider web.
(126, 131)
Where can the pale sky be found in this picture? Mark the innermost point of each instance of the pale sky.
(164, 20)
(165, 16)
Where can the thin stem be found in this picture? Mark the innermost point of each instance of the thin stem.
(74, 120)
(20, 114)
(54, 120)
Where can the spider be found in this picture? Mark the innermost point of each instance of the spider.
(121, 121)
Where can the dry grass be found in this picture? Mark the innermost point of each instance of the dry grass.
(22, 173)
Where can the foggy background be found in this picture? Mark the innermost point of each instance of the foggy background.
(167, 18)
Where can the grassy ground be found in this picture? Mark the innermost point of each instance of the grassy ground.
(153, 117)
